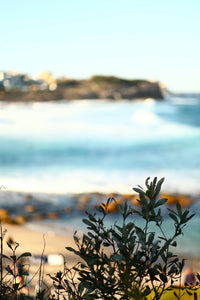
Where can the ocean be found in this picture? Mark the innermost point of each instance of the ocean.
(65, 147)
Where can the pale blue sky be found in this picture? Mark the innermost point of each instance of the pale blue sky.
(149, 39)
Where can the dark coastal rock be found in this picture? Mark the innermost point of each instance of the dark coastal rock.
(3, 213)
(84, 198)
(67, 209)
(20, 219)
(38, 217)
(30, 208)
(81, 206)
(52, 215)
(184, 200)
(37, 208)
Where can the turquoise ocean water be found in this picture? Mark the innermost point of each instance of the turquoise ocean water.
(104, 146)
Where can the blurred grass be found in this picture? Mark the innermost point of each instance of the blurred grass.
(169, 295)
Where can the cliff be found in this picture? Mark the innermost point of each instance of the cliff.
(97, 87)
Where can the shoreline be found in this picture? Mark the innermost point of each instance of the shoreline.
(22, 207)
(62, 216)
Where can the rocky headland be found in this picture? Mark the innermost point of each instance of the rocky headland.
(97, 87)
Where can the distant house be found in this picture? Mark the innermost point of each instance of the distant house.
(10, 81)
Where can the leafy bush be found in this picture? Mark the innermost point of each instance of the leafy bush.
(126, 261)
(11, 284)
(121, 261)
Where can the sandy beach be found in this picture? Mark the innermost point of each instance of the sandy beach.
(33, 241)
(48, 244)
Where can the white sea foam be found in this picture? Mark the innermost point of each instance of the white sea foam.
(123, 181)
(94, 145)
(184, 100)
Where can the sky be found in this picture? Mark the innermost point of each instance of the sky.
(133, 39)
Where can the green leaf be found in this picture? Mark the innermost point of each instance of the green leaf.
(151, 238)
(87, 222)
(15, 286)
(5, 256)
(70, 249)
(106, 244)
(25, 254)
(190, 217)
(179, 209)
(172, 211)
(139, 191)
(144, 200)
(13, 257)
(119, 208)
(165, 246)
(163, 278)
(10, 271)
(26, 273)
(158, 187)
(198, 276)
(100, 209)
(10, 246)
(140, 234)
(160, 202)
(81, 288)
(147, 291)
(76, 239)
(53, 277)
(172, 216)
(154, 182)
(189, 293)
(116, 257)
(175, 294)
(136, 212)
(174, 244)
(92, 218)
(147, 182)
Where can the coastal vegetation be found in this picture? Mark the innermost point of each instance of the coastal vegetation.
(96, 87)
(123, 260)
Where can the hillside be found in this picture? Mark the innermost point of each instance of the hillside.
(97, 87)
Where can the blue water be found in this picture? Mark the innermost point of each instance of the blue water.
(100, 145)
(104, 146)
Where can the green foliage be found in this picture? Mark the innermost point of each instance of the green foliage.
(112, 80)
(68, 83)
(126, 261)
(11, 285)
(12, 269)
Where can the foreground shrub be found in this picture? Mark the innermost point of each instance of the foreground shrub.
(11, 282)
(124, 260)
